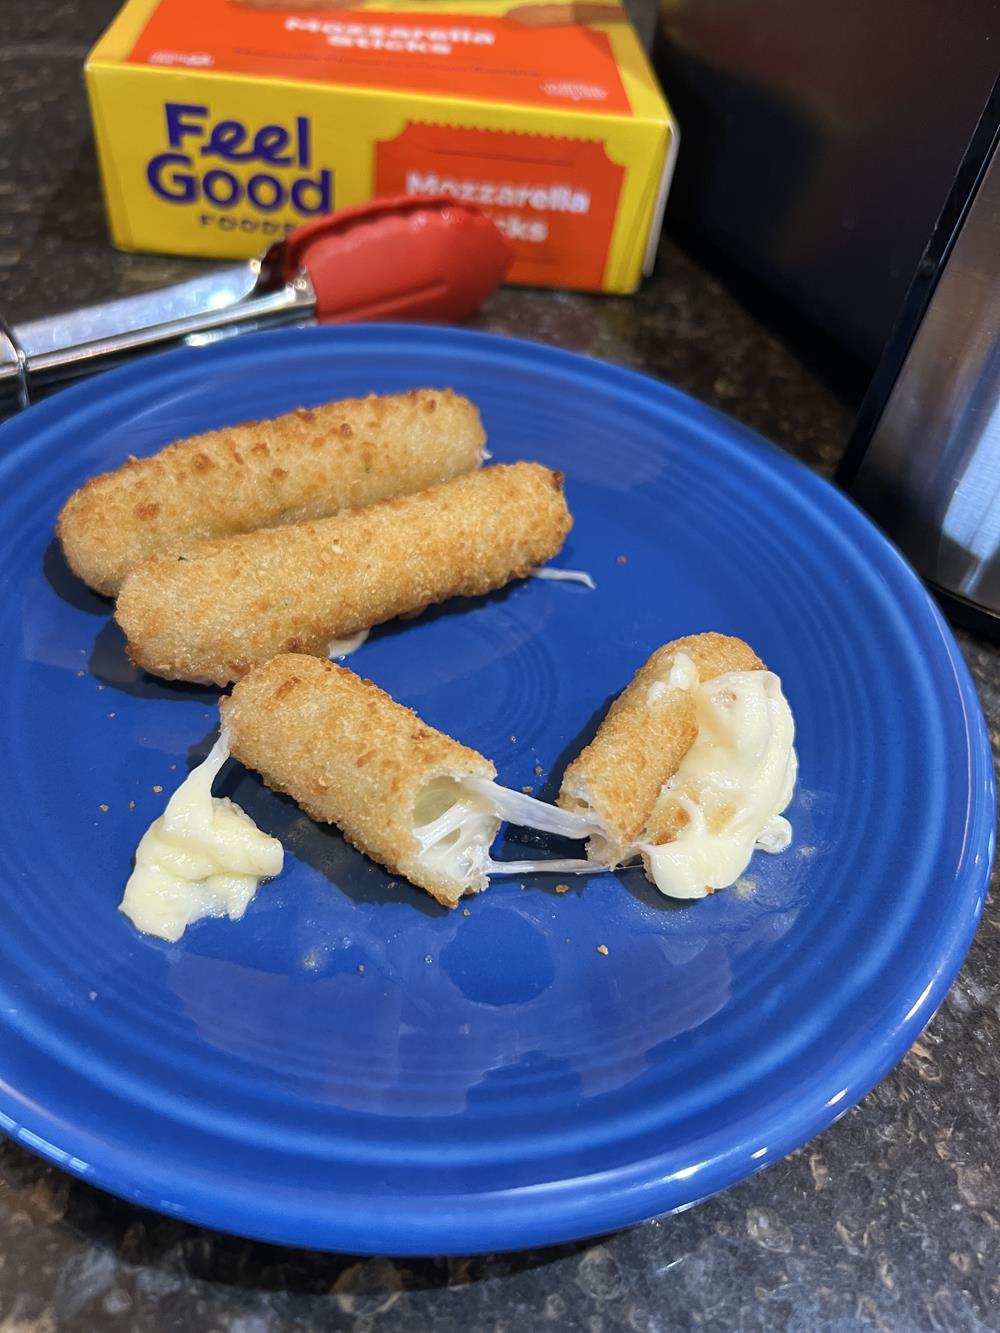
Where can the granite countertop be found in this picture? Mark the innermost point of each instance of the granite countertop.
(889, 1220)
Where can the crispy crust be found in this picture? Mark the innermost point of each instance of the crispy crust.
(348, 754)
(642, 741)
(304, 465)
(210, 611)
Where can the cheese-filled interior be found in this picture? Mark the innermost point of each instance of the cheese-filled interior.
(455, 827)
(727, 797)
(456, 819)
(204, 856)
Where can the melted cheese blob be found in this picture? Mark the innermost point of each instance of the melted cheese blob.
(204, 856)
(730, 788)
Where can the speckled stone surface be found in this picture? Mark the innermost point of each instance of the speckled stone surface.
(890, 1220)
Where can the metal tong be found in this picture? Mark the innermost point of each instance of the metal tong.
(412, 258)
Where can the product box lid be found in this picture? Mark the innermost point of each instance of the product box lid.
(571, 56)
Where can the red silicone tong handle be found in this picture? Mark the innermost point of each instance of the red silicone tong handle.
(420, 257)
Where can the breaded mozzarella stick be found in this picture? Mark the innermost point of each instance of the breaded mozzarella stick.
(304, 465)
(652, 724)
(211, 610)
(411, 798)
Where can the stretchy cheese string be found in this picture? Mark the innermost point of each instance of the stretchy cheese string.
(520, 808)
(564, 576)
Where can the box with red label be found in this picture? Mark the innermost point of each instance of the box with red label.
(221, 125)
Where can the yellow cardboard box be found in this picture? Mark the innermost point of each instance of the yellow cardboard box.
(223, 124)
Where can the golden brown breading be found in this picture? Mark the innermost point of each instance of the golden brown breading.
(643, 739)
(351, 756)
(304, 465)
(211, 610)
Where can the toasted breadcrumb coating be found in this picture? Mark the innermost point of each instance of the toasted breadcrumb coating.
(211, 610)
(351, 756)
(640, 744)
(307, 464)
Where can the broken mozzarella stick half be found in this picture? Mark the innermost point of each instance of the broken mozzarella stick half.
(691, 769)
(419, 803)
(209, 611)
(304, 465)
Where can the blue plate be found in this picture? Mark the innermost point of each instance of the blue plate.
(352, 1066)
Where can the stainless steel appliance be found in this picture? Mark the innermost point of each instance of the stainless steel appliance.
(819, 141)
(925, 456)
